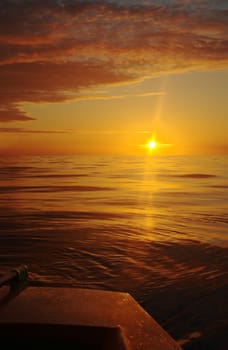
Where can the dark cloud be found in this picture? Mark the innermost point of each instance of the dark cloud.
(50, 50)
(31, 131)
(10, 113)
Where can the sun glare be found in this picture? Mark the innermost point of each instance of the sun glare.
(151, 145)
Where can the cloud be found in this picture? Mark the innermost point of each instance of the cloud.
(116, 97)
(10, 113)
(12, 130)
(50, 51)
(31, 131)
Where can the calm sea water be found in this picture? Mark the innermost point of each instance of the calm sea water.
(154, 227)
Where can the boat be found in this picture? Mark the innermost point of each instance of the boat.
(83, 319)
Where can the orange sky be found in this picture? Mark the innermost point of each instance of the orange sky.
(105, 77)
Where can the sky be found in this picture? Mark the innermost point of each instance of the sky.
(107, 77)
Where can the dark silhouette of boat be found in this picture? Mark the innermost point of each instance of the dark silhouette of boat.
(74, 317)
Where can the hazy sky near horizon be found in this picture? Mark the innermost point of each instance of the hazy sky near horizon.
(99, 77)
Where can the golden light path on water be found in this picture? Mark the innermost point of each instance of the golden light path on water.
(152, 147)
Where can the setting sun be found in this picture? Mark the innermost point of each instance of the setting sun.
(151, 145)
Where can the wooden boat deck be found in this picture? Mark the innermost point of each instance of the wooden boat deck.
(79, 318)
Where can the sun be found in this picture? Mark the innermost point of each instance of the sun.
(151, 145)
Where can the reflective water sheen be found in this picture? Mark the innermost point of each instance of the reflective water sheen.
(154, 227)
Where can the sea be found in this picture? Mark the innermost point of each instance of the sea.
(154, 227)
